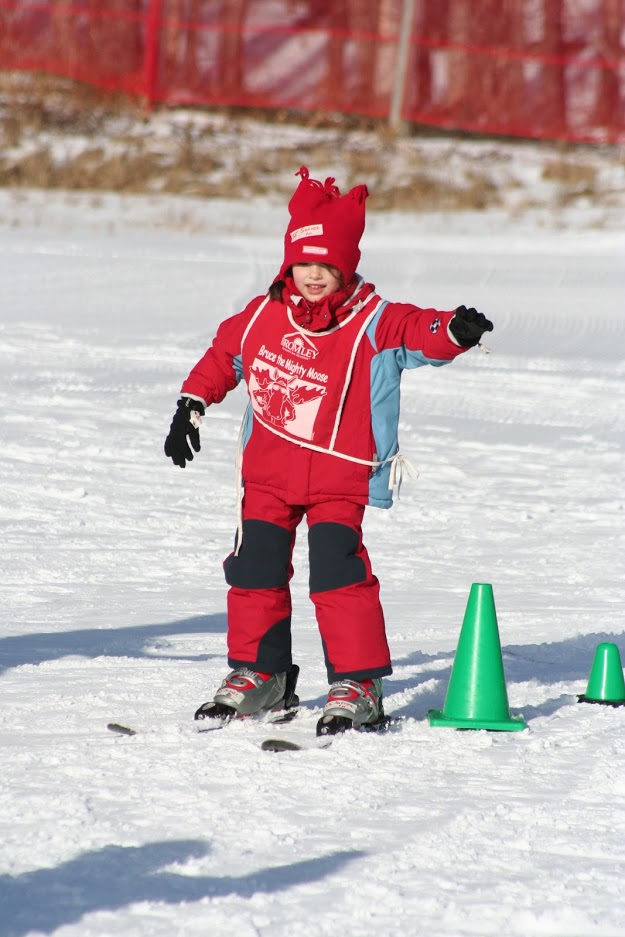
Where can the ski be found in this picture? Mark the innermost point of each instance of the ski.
(282, 717)
(120, 729)
(286, 745)
(334, 729)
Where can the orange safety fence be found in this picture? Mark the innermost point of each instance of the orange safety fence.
(550, 69)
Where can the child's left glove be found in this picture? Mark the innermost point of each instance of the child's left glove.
(468, 326)
(184, 429)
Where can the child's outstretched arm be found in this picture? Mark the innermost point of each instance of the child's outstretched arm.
(429, 336)
(215, 374)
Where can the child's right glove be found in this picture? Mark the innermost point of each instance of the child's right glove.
(184, 429)
(468, 326)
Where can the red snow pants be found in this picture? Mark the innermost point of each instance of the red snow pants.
(345, 593)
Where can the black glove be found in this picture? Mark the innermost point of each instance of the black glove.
(182, 431)
(468, 325)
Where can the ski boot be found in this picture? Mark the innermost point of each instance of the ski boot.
(353, 705)
(245, 692)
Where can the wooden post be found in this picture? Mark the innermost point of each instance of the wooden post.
(401, 66)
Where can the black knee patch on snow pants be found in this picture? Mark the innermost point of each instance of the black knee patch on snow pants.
(333, 563)
(264, 557)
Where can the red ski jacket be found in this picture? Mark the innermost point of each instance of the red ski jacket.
(324, 401)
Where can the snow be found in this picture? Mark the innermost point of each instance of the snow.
(114, 600)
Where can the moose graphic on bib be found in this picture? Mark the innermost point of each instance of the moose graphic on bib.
(284, 400)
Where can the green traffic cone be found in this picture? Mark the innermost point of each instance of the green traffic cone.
(605, 684)
(476, 695)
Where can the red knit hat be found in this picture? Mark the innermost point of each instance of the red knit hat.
(324, 228)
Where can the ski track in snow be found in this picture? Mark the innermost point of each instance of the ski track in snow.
(114, 603)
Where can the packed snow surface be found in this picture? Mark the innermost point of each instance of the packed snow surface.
(113, 603)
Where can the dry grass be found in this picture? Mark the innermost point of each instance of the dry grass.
(59, 134)
(575, 180)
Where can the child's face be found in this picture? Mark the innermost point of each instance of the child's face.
(316, 281)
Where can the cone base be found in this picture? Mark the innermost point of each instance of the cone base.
(600, 702)
(513, 724)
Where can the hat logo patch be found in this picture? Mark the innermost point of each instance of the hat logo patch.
(310, 230)
(313, 249)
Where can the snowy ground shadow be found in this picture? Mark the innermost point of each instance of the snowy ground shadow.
(567, 661)
(111, 878)
(102, 642)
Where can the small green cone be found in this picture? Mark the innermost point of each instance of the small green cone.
(605, 684)
(476, 695)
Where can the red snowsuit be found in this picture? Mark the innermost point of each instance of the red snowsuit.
(318, 440)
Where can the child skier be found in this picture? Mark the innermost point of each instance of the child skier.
(322, 355)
